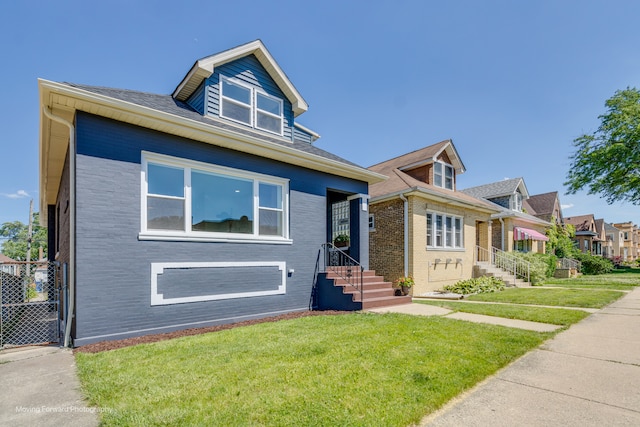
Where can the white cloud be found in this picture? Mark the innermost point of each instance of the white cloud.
(569, 206)
(20, 194)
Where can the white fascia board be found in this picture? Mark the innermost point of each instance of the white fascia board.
(168, 123)
(314, 136)
(458, 165)
(206, 65)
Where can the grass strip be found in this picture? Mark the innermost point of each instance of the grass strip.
(554, 316)
(553, 297)
(359, 369)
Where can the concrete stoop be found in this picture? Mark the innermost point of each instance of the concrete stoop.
(482, 269)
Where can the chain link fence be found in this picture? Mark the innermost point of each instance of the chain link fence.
(30, 303)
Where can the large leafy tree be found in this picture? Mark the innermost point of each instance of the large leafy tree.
(16, 236)
(607, 162)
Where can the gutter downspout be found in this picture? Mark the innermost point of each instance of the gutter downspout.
(406, 234)
(501, 234)
(72, 219)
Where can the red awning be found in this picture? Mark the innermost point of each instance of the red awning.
(521, 233)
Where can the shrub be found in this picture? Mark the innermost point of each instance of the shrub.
(539, 269)
(593, 265)
(476, 286)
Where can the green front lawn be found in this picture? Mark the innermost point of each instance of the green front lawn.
(554, 316)
(349, 370)
(623, 280)
(552, 297)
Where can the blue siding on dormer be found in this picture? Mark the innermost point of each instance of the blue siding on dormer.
(196, 100)
(302, 136)
(249, 71)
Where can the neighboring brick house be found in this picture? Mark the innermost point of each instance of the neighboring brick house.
(604, 246)
(545, 206)
(615, 241)
(630, 240)
(512, 229)
(587, 238)
(203, 207)
(420, 225)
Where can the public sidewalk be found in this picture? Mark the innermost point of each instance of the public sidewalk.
(588, 375)
(39, 387)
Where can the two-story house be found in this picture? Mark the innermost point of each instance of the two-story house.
(420, 225)
(205, 206)
(615, 241)
(630, 240)
(512, 228)
(587, 238)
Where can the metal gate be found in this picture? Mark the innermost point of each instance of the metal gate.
(30, 301)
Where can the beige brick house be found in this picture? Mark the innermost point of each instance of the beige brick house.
(420, 225)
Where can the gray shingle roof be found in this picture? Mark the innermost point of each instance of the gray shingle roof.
(167, 104)
(495, 189)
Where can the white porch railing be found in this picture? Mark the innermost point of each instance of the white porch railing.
(516, 267)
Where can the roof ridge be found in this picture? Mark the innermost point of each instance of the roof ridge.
(411, 152)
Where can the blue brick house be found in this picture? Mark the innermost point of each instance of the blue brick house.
(203, 207)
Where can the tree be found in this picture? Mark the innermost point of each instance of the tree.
(560, 241)
(607, 162)
(17, 235)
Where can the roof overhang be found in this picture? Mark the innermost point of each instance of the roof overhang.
(204, 68)
(435, 196)
(451, 151)
(63, 100)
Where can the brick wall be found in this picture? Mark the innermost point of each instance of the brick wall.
(386, 241)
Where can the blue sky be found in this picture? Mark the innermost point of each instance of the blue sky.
(513, 83)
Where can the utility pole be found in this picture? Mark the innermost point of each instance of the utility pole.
(29, 237)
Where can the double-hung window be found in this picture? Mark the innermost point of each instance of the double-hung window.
(184, 199)
(444, 231)
(443, 175)
(248, 105)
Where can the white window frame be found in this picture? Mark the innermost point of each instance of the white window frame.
(253, 106)
(451, 238)
(190, 235)
(258, 110)
(224, 98)
(516, 202)
(442, 174)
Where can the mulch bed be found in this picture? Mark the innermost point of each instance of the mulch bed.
(112, 345)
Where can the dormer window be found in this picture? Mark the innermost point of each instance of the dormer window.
(516, 202)
(245, 104)
(443, 175)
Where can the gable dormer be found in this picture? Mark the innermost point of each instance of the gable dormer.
(244, 86)
(439, 169)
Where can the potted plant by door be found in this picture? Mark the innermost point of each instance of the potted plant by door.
(341, 241)
(405, 283)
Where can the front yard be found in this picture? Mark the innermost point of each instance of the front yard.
(357, 369)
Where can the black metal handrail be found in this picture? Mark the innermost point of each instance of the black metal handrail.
(344, 266)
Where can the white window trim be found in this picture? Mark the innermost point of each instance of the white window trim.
(158, 268)
(443, 175)
(233, 101)
(253, 107)
(203, 236)
(444, 231)
(261, 111)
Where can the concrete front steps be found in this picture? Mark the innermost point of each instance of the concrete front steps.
(486, 269)
(376, 292)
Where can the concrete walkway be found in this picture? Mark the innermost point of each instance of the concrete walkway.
(432, 310)
(39, 387)
(588, 375)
